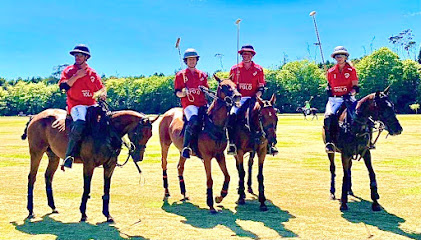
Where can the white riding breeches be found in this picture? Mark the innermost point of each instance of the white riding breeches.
(190, 111)
(334, 103)
(235, 109)
(78, 112)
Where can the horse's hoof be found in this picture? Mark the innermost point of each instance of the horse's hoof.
(241, 201)
(376, 207)
(110, 219)
(332, 196)
(185, 198)
(167, 193)
(351, 193)
(54, 211)
(213, 211)
(30, 216)
(250, 190)
(83, 219)
(219, 199)
(263, 207)
(343, 207)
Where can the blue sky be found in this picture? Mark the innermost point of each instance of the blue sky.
(129, 37)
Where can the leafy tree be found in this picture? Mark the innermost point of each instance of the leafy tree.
(378, 70)
(297, 82)
(415, 107)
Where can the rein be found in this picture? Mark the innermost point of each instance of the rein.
(227, 100)
(378, 127)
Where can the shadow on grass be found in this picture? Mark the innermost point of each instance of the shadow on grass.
(202, 218)
(47, 225)
(360, 212)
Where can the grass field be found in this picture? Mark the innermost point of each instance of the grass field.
(297, 185)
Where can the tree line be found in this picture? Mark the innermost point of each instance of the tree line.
(293, 84)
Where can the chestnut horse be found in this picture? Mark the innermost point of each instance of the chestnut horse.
(44, 138)
(263, 120)
(212, 140)
(355, 141)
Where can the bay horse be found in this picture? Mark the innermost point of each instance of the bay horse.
(307, 112)
(45, 137)
(212, 140)
(354, 141)
(263, 119)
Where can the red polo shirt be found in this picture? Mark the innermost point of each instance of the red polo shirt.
(83, 89)
(342, 82)
(248, 80)
(192, 80)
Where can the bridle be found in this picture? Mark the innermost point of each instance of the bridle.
(227, 100)
(137, 135)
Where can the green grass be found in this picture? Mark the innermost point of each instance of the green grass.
(297, 185)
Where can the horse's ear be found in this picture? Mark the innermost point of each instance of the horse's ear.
(386, 90)
(273, 99)
(377, 94)
(260, 101)
(152, 121)
(216, 78)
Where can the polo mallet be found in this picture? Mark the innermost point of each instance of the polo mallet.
(312, 14)
(177, 45)
(237, 22)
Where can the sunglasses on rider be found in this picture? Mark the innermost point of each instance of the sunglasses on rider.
(340, 56)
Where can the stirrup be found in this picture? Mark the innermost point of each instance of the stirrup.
(272, 150)
(67, 162)
(372, 146)
(330, 148)
(185, 153)
(232, 149)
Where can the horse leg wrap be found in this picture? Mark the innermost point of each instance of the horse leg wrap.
(345, 188)
(209, 197)
(374, 194)
(82, 208)
(105, 205)
(224, 191)
(182, 185)
(30, 205)
(241, 189)
(260, 179)
(165, 178)
(241, 174)
(50, 197)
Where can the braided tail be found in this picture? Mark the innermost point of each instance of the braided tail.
(25, 132)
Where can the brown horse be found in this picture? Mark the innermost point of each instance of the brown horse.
(212, 140)
(353, 141)
(44, 138)
(263, 120)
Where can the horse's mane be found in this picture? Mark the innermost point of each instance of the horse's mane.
(128, 112)
(364, 102)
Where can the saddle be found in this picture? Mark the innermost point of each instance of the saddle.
(347, 130)
(98, 126)
(244, 122)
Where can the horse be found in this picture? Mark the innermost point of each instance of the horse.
(305, 112)
(211, 143)
(264, 119)
(354, 141)
(47, 133)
